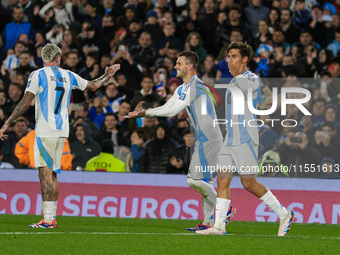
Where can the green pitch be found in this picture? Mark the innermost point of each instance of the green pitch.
(82, 235)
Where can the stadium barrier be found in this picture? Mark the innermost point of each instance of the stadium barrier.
(102, 194)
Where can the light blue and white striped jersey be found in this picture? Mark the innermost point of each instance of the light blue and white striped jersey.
(202, 121)
(12, 62)
(192, 97)
(238, 130)
(52, 88)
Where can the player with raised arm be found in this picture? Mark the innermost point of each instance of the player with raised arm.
(240, 147)
(51, 88)
(189, 96)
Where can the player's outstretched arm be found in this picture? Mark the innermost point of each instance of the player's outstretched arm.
(20, 109)
(97, 83)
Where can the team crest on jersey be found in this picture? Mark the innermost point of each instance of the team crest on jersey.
(54, 68)
(182, 96)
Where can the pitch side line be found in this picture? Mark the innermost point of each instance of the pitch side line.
(164, 234)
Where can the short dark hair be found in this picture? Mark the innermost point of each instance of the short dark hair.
(287, 9)
(25, 52)
(141, 134)
(107, 146)
(110, 114)
(191, 57)
(328, 124)
(125, 101)
(245, 49)
(236, 7)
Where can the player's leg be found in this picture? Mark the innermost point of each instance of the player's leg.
(206, 189)
(224, 177)
(248, 169)
(55, 196)
(251, 184)
(47, 154)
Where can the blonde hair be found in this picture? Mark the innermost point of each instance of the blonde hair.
(49, 52)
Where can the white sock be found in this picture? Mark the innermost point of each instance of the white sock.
(271, 201)
(55, 210)
(48, 208)
(222, 206)
(206, 189)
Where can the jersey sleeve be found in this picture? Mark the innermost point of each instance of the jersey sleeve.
(247, 80)
(174, 106)
(32, 83)
(77, 82)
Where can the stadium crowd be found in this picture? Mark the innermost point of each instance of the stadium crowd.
(292, 39)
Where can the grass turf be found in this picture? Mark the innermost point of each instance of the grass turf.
(83, 235)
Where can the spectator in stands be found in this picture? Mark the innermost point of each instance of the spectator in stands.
(15, 28)
(62, 12)
(294, 151)
(91, 69)
(289, 29)
(72, 61)
(208, 19)
(180, 157)
(143, 53)
(12, 60)
(273, 19)
(318, 110)
(90, 16)
(81, 110)
(105, 161)
(24, 67)
(169, 30)
(14, 96)
(302, 17)
(234, 21)
(147, 85)
(69, 42)
(19, 130)
(4, 165)
(156, 154)
(84, 147)
(335, 45)
(123, 124)
(98, 110)
(194, 43)
(138, 140)
(328, 169)
(263, 36)
(108, 28)
(152, 26)
(130, 38)
(326, 142)
(110, 131)
(24, 151)
(94, 42)
(254, 13)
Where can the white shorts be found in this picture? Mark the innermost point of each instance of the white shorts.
(203, 160)
(48, 152)
(241, 158)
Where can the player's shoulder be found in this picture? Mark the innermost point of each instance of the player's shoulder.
(249, 75)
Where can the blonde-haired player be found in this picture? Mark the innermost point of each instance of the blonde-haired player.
(51, 87)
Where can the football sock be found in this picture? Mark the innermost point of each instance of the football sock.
(222, 205)
(271, 201)
(55, 210)
(206, 189)
(48, 209)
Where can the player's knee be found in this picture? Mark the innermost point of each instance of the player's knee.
(249, 184)
(191, 182)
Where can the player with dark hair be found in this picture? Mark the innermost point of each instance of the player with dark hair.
(240, 147)
(208, 137)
